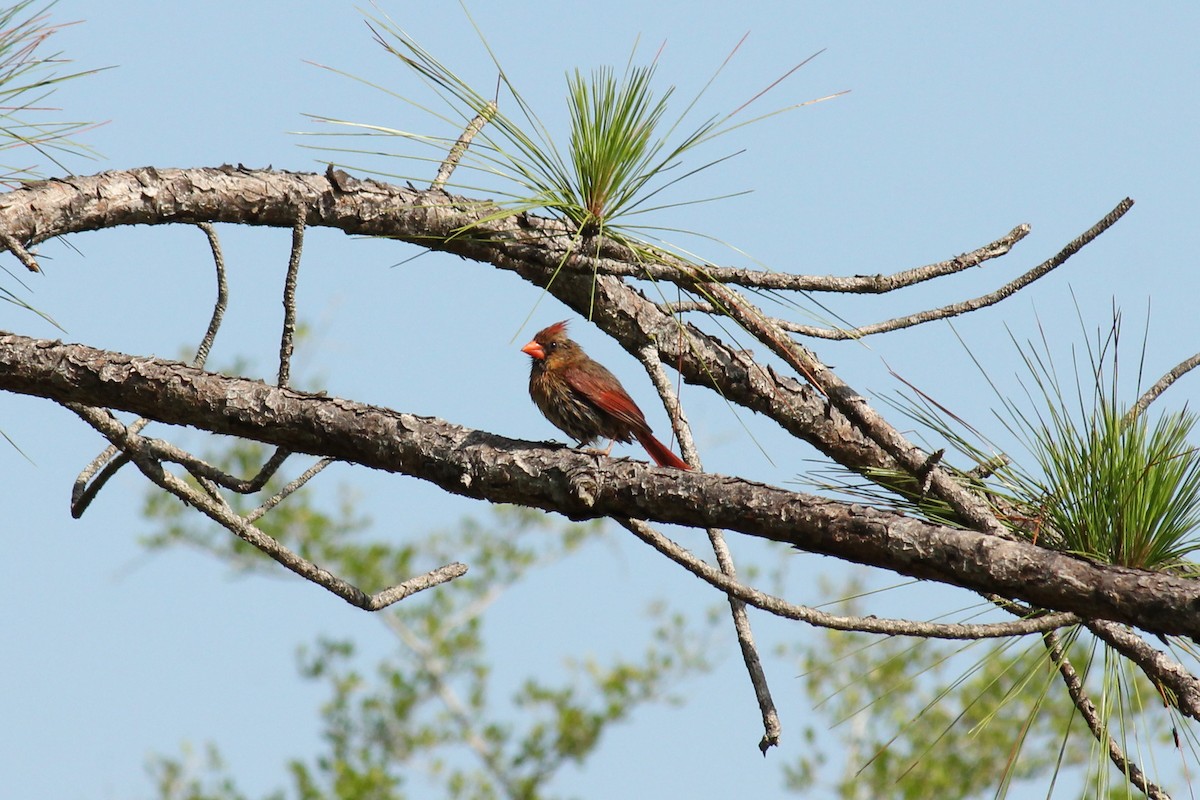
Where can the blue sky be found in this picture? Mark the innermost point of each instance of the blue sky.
(963, 120)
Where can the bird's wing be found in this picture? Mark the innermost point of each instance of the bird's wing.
(604, 391)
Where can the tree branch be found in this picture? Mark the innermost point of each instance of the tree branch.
(772, 727)
(1164, 671)
(220, 512)
(822, 619)
(1091, 716)
(484, 466)
(975, 303)
(1164, 383)
(760, 279)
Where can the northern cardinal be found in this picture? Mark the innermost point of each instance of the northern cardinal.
(583, 399)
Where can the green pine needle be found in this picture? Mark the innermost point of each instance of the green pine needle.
(1097, 480)
(620, 151)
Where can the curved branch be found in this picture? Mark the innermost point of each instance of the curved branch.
(1091, 716)
(1159, 667)
(484, 466)
(821, 619)
(1164, 383)
(851, 284)
(966, 306)
(217, 510)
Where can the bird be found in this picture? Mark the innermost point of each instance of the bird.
(583, 399)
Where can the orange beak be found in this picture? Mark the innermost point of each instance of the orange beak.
(534, 350)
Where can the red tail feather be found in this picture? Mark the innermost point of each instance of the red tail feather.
(659, 452)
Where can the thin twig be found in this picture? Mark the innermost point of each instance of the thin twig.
(759, 279)
(256, 483)
(1164, 671)
(282, 494)
(1091, 716)
(932, 271)
(218, 314)
(965, 306)
(162, 450)
(108, 463)
(220, 512)
(1151, 394)
(648, 355)
(464, 141)
(821, 619)
(772, 728)
(287, 339)
(17, 249)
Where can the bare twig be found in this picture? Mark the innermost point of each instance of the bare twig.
(648, 355)
(248, 485)
(854, 284)
(1091, 716)
(109, 462)
(17, 249)
(287, 339)
(214, 322)
(772, 728)
(460, 147)
(282, 494)
(892, 627)
(965, 306)
(1151, 394)
(220, 512)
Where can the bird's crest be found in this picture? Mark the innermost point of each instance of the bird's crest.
(552, 331)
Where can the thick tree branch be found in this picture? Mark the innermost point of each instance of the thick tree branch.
(480, 465)
(535, 248)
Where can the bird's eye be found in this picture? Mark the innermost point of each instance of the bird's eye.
(552, 346)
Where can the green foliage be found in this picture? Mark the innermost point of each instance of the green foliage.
(619, 156)
(611, 128)
(195, 777)
(1099, 478)
(430, 713)
(1111, 485)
